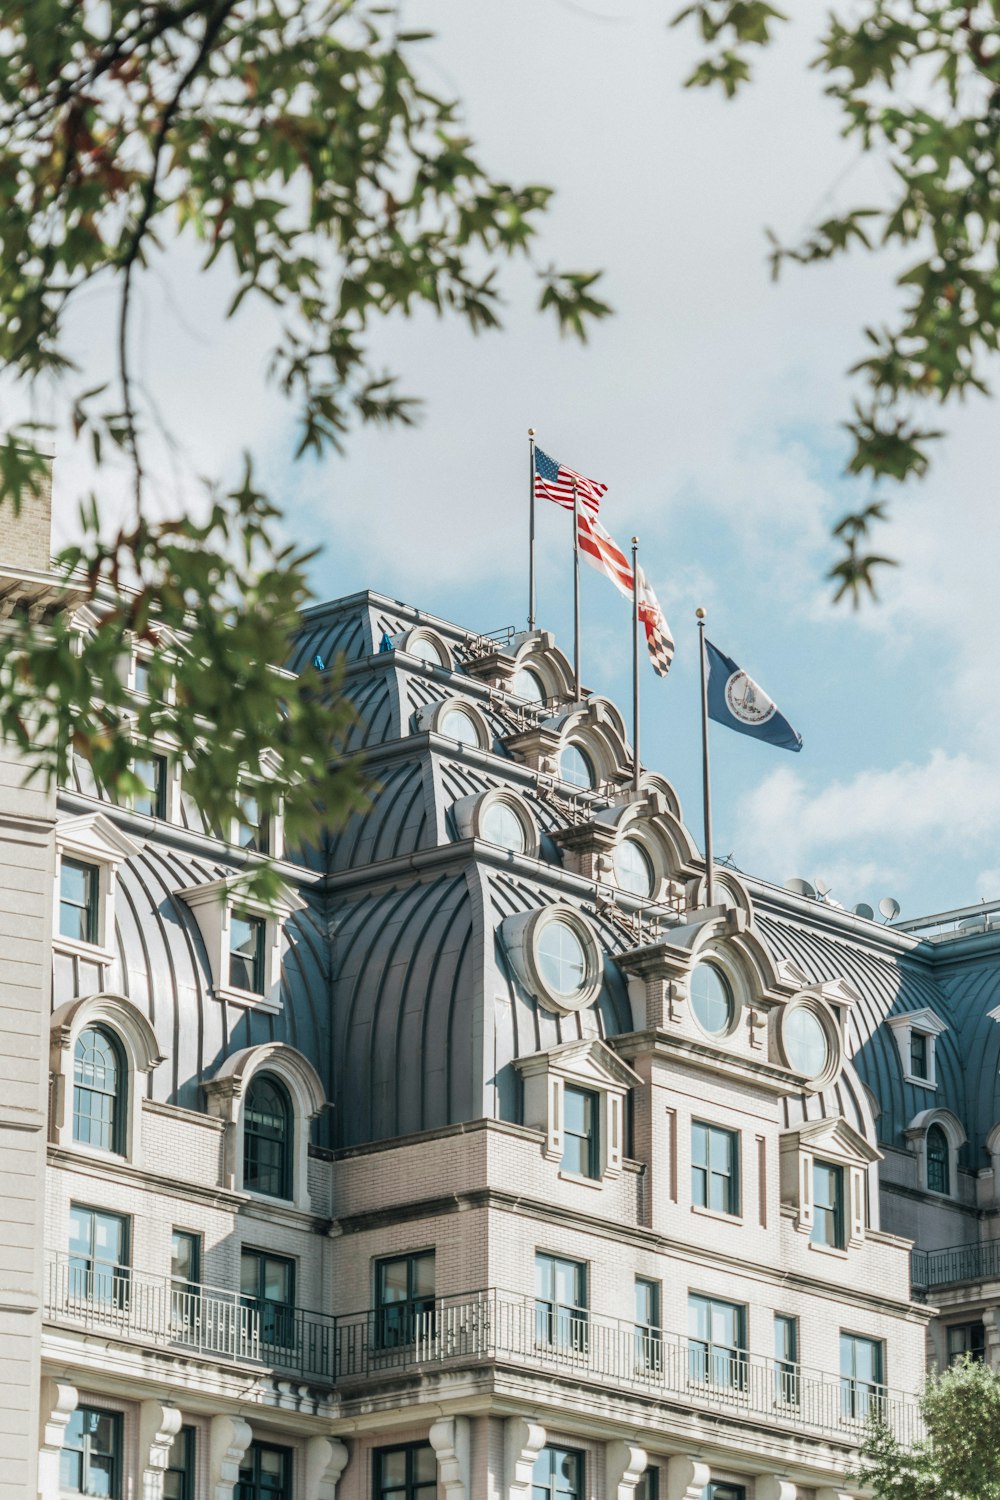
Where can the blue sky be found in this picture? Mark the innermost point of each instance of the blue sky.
(709, 405)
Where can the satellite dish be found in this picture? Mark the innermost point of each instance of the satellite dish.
(823, 888)
(800, 888)
(889, 907)
(864, 910)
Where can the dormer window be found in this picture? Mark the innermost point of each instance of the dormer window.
(634, 869)
(502, 826)
(575, 767)
(140, 675)
(457, 719)
(79, 900)
(458, 725)
(89, 850)
(244, 939)
(246, 953)
(528, 685)
(712, 999)
(151, 799)
(824, 1166)
(99, 1084)
(581, 1132)
(937, 1136)
(916, 1033)
(938, 1153)
(427, 646)
(500, 817)
(555, 955)
(575, 1093)
(252, 826)
(828, 1205)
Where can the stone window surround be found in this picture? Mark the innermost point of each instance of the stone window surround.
(916, 1137)
(226, 1093)
(429, 717)
(590, 1065)
(140, 1053)
(469, 813)
(832, 1141)
(212, 905)
(93, 839)
(927, 1024)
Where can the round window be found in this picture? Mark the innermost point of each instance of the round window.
(805, 1042)
(458, 725)
(502, 826)
(711, 999)
(424, 649)
(633, 868)
(528, 685)
(575, 767)
(561, 959)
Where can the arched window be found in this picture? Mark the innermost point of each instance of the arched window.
(267, 1138)
(938, 1168)
(99, 1083)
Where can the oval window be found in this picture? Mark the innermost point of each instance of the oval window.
(711, 999)
(458, 725)
(502, 826)
(561, 959)
(633, 868)
(424, 649)
(575, 767)
(528, 685)
(804, 1039)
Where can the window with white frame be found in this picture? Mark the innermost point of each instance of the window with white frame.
(90, 1462)
(244, 939)
(89, 851)
(153, 772)
(575, 1094)
(824, 1166)
(936, 1136)
(916, 1034)
(100, 1049)
(715, 1168)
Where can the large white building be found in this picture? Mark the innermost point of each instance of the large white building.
(491, 1165)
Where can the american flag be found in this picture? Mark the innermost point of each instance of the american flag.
(658, 638)
(602, 553)
(553, 481)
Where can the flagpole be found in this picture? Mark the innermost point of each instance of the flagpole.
(531, 528)
(576, 592)
(709, 863)
(635, 663)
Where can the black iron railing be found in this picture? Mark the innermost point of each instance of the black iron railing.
(978, 1262)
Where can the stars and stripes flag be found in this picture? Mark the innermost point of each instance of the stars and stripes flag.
(604, 554)
(553, 481)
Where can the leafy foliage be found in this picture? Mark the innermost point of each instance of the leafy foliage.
(919, 83)
(957, 1461)
(296, 143)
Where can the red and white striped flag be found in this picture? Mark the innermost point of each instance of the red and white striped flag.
(658, 638)
(602, 553)
(553, 481)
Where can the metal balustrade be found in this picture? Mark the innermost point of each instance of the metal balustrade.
(978, 1262)
(477, 1328)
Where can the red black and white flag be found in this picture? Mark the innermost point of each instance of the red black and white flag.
(603, 553)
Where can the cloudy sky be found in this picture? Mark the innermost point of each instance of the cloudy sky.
(709, 405)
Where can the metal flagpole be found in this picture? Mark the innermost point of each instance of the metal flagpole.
(531, 528)
(635, 663)
(709, 863)
(576, 592)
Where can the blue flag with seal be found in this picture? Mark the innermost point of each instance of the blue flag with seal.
(734, 699)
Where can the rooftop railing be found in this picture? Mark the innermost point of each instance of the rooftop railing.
(479, 1328)
(978, 1262)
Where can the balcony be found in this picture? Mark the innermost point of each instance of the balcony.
(931, 1268)
(479, 1329)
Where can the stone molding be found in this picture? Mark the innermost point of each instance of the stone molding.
(326, 1460)
(624, 1466)
(229, 1439)
(449, 1437)
(686, 1477)
(158, 1426)
(59, 1401)
(522, 1443)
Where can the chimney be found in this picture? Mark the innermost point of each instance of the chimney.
(26, 538)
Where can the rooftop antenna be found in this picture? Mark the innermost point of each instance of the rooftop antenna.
(889, 907)
(823, 889)
(800, 888)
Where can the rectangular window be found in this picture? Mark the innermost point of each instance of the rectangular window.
(408, 1473)
(246, 953)
(966, 1338)
(715, 1168)
(90, 1460)
(581, 1113)
(557, 1475)
(786, 1359)
(178, 1479)
(98, 1255)
(918, 1054)
(716, 1491)
(717, 1341)
(862, 1375)
(151, 770)
(648, 1339)
(185, 1276)
(560, 1302)
(828, 1205)
(79, 900)
(265, 1474)
(648, 1487)
(404, 1300)
(267, 1285)
(140, 675)
(251, 829)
